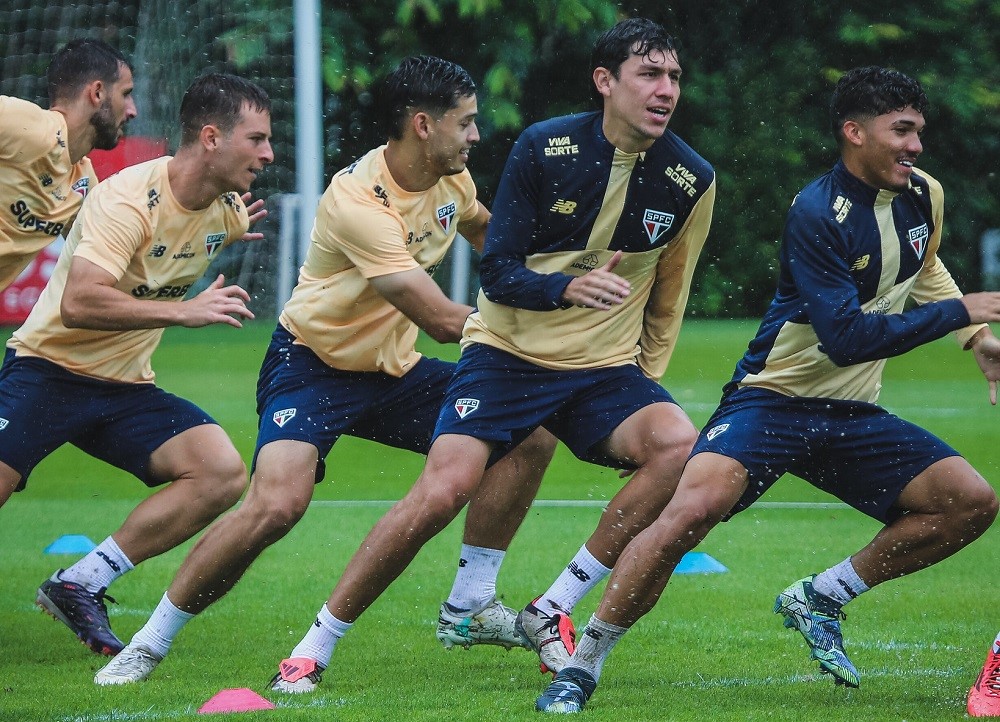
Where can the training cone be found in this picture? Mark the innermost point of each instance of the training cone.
(699, 563)
(235, 700)
(70, 544)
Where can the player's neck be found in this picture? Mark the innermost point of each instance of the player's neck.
(409, 167)
(79, 133)
(191, 181)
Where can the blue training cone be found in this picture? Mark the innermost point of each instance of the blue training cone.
(699, 563)
(70, 544)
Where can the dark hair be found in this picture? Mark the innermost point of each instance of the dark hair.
(635, 36)
(864, 93)
(217, 99)
(80, 62)
(420, 83)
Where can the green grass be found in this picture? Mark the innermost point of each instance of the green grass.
(711, 649)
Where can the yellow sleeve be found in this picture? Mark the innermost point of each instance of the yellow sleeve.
(668, 297)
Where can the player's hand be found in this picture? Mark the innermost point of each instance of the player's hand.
(983, 307)
(600, 288)
(218, 304)
(256, 211)
(986, 349)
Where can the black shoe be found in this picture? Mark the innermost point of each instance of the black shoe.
(85, 613)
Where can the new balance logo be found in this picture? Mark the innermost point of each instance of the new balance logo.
(843, 207)
(564, 207)
(577, 572)
(283, 417)
(862, 263)
(464, 407)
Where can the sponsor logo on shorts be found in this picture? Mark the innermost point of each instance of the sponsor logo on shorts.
(464, 407)
(283, 417)
(716, 430)
(656, 224)
(3, 424)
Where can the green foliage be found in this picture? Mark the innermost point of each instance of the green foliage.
(757, 80)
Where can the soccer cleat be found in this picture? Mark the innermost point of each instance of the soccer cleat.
(297, 675)
(494, 624)
(818, 617)
(568, 692)
(132, 664)
(552, 637)
(984, 697)
(85, 613)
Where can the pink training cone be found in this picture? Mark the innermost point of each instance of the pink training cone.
(235, 700)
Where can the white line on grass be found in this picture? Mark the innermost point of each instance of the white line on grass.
(355, 503)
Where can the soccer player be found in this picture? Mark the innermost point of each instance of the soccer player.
(44, 169)
(78, 370)
(342, 358)
(984, 696)
(598, 222)
(858, 242)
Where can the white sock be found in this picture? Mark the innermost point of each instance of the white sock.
(596, 643)
(322, 637)
(163, 625)
(840, 582)
(579, 577)
(476, 579)
(99, 568)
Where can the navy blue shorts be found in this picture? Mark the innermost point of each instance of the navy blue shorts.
(301, 398)
(858, 452)
(43, 406)
(500, 398)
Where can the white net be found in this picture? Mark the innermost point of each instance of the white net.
(170, 44)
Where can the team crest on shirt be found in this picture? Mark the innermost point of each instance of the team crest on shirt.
(716, 430)
(656, 224)
(446, 214)
(213, 242)
(81, 186)
(3, 424)
(464, 407)
(918, 239)
(283, 417)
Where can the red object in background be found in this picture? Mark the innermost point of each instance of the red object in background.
(129, 151)
(17, 299)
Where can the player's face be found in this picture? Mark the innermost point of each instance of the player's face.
(116, 110)
(888, 148)
(452, 136)
(245, 150)
(639, 102)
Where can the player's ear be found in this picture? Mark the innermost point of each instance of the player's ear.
(421, 124)
(853, 132)
(602, 81)
(210, 137)
(95, 91)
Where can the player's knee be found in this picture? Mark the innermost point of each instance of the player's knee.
(980, 506)
(670, 451)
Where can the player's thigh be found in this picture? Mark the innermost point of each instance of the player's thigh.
(202, 452)
(657, 429)
(42, 406)
(868, 457)
(949, 484)
(284, 477)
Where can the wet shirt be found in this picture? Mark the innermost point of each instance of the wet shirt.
(40, 189)
(569, 199)
(367, 226)
(132, 227)
(850, 257)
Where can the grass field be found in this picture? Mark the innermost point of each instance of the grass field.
(711, 649)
